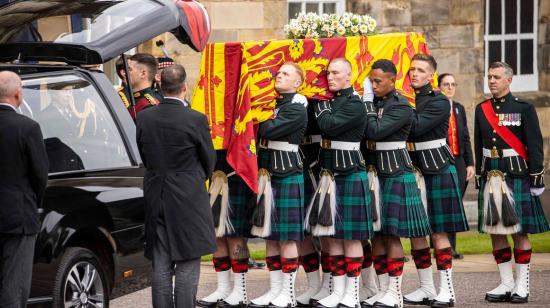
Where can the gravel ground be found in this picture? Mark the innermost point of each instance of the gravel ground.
(472, 278)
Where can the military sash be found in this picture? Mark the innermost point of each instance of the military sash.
(503, 131)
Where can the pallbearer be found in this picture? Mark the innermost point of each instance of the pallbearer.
(432, 156)
(509, 173)
(279, 213)
(230, 198)
(342, 206)
(402, 213)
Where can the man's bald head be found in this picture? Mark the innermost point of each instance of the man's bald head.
(10, 88)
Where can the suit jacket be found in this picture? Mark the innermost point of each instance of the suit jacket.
(23, 172)
(175, 146)
(464, 144)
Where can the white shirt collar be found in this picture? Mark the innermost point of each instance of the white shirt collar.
(186, 104)
(4, 104)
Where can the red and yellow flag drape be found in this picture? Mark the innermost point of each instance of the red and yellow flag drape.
(235, 88)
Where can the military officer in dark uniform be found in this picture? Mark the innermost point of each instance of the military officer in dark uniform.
(281, 186)
(509, 172)
(402, 213)
(142, 69)
(432, 156)
(342, 210)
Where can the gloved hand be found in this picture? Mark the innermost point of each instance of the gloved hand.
(368, 94)
(321, 107)
(537, 191)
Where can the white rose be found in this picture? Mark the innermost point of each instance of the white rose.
(341, 30)
(363, 29)
(354, 29)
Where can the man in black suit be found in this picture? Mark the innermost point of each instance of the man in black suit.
(175, 145)
(459, 142)
(23, 178)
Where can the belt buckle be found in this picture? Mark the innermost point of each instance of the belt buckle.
(325, 143)
(495, 153)
(307, 140)
(371, 145)
(410, 146)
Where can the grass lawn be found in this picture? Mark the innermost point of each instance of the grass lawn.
(468, 243)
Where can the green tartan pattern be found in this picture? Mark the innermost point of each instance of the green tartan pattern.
(239, 201)
(528, 208)
(353, 204)
(403, 213)
(287, 220)
(445, 208)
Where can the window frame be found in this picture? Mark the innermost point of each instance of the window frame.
(114, 119)
(340, 5)
(520, 83)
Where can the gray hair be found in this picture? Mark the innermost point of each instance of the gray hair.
(508, 70)
(9, 83)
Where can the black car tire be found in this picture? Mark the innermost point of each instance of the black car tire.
(70, 280)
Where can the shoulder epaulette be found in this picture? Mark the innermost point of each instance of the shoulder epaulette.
(123, 97)
(151, 99)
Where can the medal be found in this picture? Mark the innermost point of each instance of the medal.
(500, 119)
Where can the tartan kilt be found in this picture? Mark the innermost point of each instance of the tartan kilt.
(528, 208)
(287, 218)
(353, 207)
(403, 213)
(240, 196)
(445, 208)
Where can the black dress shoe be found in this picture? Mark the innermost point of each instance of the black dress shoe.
(439, 304)
(424, 302)
(497, 298)
(206, 304)
(380, 305)
(223, 304)
(516, 299)
(311, 304)
(365, 305)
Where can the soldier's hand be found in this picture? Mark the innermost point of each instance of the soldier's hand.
(368, 93)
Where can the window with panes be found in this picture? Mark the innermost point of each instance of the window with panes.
(296, 7)
(511, 36)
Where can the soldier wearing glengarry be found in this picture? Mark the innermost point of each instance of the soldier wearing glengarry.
(401, 212)
(341, 208)
(279, 214)
(509, 174)
(433, 158)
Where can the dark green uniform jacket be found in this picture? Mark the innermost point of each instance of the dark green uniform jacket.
(521, 119)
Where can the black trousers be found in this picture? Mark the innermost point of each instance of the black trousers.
(166, 292)
(16, 256)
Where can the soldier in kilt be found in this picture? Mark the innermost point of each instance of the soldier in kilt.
(509, 153)
(309, 255)
(432, 156)
(279, 215)
(232, 230)
(402, 212)
(345, 210)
